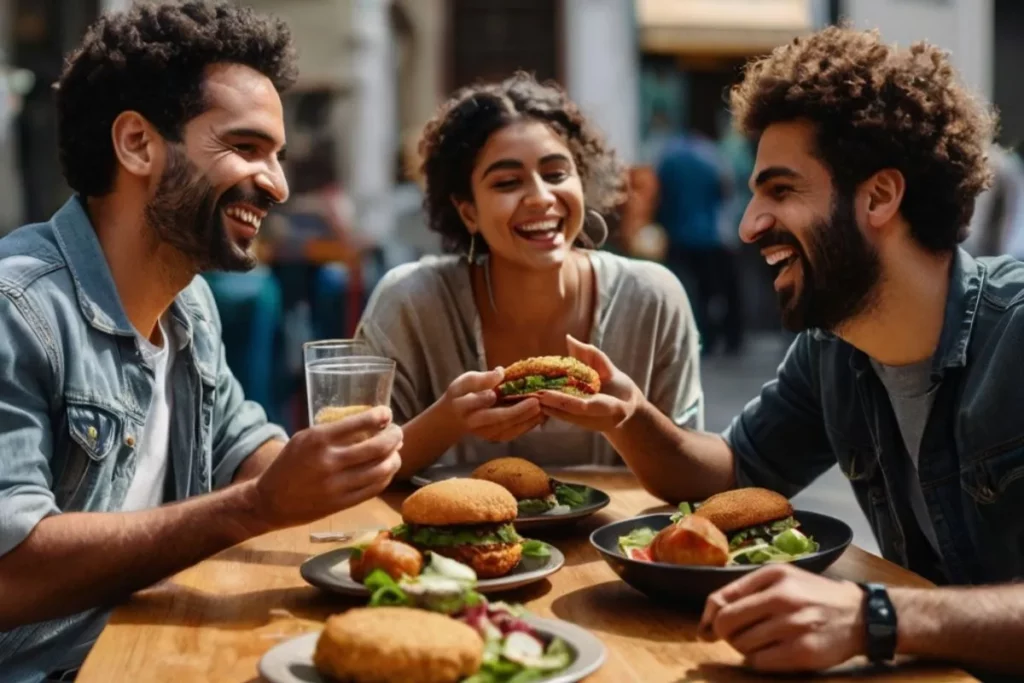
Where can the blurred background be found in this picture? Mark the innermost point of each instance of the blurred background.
(651, 73)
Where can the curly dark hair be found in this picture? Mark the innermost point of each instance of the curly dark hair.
(454, 137)
(151, 59)
(877, 107)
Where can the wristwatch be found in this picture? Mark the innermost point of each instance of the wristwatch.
(880, 622)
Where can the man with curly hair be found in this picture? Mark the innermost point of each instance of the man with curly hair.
(907, 370)
(115, 399)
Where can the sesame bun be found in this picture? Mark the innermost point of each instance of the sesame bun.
(741, 508)
(522, 478)
(460, 501)
(399, 645)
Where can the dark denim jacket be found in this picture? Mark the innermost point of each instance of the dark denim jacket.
(827, 405)
(74, 393)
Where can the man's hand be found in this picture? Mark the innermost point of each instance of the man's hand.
(328, 468)
(604, 412)
(782, 618)
(472, 398)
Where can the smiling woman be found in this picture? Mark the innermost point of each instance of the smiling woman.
(517, 180)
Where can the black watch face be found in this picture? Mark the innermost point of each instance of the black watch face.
(880, 608)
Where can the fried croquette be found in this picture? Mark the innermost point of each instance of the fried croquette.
(741, 508)
(397, 645)
(460, 501)
(552, 373)
(488, 561)
(522, 478)
(395, 558)
(692, 540)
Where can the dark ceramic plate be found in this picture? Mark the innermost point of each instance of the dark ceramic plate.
(330, 572)
(692, 584)
(595, 499)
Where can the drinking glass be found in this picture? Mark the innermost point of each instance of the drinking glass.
(344, 377)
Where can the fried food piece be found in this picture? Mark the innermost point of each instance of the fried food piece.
(692, 540)
(395, 558)
(397, 645)
(741, 508)
(488, 561)
(550, 373)
(460, 501)
(522, 478)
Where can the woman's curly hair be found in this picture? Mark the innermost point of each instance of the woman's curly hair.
(877, 107)
(454, 137)
(151, 59)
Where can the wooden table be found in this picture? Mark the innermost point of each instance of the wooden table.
(214, 621)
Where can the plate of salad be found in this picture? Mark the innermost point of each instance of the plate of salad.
(333, 571)
(518, 647)
(544, 500)
(688, 554)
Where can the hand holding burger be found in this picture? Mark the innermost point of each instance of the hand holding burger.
(618, 399)
(474, 404)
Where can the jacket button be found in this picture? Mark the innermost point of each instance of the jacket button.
(129, 441)
(91, 433)
(988, 492)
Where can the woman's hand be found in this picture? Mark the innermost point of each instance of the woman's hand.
(473, 401)
(602, 412)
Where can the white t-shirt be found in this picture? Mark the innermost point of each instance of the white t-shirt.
(147, 488)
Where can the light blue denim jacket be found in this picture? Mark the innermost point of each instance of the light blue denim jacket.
(74, 393)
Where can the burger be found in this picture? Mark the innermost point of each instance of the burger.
(525, 378)
(399, 644)
(531, 486)
(468, 520)
(755, 518)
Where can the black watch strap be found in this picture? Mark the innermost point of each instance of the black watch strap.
(880, 623)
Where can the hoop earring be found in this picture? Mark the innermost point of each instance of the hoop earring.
(472, 248)
(595, 230)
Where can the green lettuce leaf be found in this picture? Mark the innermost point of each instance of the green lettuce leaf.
(637, 538)
(533, 548)
(384, 591)
(684, 510)
(440, 537)
(534, 506)
(573, 496)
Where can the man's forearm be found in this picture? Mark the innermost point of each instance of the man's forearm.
(672, 463)
(253, 466)
(426, 437)
(979, 626)
(74, 561)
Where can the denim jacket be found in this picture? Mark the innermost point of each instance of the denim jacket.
(74, 394)
(827, 405)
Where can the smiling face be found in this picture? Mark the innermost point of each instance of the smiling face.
(527, 196)
(218, 184)
(827, 272)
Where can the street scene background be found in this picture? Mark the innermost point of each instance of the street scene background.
(652, 74)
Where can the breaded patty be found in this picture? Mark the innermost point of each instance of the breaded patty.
(397, 645)
(553, 366)
(488, 561)
(737, 509)
(460, 501)
(521, 477)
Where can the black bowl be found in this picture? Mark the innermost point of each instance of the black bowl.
(690, 585)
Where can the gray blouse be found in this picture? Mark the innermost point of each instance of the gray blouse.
(424, 316)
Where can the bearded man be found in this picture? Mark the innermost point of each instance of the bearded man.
(907, 371)
(127, 450)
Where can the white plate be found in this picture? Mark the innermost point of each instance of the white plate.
(292, 660)
(330, 571)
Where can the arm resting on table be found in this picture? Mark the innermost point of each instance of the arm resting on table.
(74, 561)
(981, 626)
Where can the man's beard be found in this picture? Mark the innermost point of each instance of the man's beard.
(838, 282)
(186, 213)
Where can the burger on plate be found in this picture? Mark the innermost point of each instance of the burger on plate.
(525, 378)
(468, 520)
(531, 486)
(756, 521)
